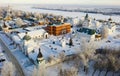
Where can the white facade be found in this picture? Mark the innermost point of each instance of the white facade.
(35, 34)
(29, 46)
(85, 23)
(76, 21)
(63, 42)
(112, 29)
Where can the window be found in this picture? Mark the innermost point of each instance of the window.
(64, 31)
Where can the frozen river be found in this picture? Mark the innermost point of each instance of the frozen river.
(28, 8)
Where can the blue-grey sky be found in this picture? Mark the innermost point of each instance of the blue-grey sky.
(82, 2)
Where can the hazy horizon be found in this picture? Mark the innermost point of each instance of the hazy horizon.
(62, 5)
(78, 2)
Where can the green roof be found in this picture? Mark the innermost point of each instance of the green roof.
(26, 37)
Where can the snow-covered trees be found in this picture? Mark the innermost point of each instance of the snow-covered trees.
(40, 71)
(19, 22)
(8, 69)
(107, 60)
(50, 58)
(86, 17)
(68, 72)
(70, 42)
(88, 50)
(88, 47)
(62, 56)
(104, 32)
(18, 13)
(38, 16)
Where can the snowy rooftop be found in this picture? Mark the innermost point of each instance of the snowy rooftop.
(33, 33)
(59, 24)
(33, 28)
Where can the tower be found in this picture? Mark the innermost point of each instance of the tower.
(40, 58)
(26, 39)
(5, 27)
(8, 14)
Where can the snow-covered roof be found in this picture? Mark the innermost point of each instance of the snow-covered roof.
(21, 35)
(33, 55)
(33, 33)
(16, 38)
(33, 28)
(11, 22)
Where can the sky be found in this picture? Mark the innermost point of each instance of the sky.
(82, 2)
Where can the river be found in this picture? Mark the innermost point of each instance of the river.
(29, 8)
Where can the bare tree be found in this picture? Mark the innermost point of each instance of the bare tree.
(38, 16)
(62, 56)
(51, 58)
(39, 71)
(108, 60)
(8, 69)
(34, 73)
(68, 72)
(88, 51)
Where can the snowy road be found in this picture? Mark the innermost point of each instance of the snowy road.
(12, 58)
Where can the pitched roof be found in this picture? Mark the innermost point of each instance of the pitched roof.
(4, 25)
(39, 54)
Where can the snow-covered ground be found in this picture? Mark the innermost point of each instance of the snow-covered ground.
(44, 44)
(2, 56)
(47, 44)
(28, 8)
(25, 63)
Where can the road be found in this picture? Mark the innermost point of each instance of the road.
(11, 57)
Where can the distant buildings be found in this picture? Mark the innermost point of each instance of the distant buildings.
(26, 30)
(96, 28)
(5, 28)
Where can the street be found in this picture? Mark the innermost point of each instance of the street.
(11, 57)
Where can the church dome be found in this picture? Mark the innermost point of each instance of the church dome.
(5, 26)
(110, 19)
(26, 37)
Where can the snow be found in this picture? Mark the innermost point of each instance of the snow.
(49, 49)
(16, 39)
(33, 32)
(2, 56)
(56, 48)
(22, 59)
(67, 14)
(33, 28)
(33, 55)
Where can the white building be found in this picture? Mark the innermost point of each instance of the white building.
(34, 32)
(63, 43)
(75, 21)
(27, 38)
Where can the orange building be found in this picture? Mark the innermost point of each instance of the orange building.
(59, 29)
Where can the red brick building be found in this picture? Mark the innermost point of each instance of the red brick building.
(59, 29)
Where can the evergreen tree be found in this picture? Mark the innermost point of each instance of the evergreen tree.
(70, 42)
(86, 17)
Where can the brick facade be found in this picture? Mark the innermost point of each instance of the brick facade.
(59, 29)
